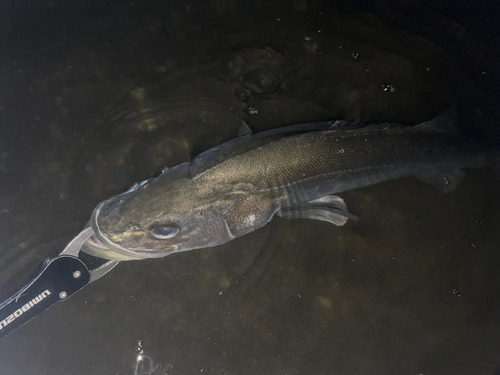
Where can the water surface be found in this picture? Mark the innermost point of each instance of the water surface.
(96, 97)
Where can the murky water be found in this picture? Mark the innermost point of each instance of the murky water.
(96, 97)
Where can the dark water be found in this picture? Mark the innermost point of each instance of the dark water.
(97, 96)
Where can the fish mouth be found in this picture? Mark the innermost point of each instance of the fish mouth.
(104, 247)
(96, 248)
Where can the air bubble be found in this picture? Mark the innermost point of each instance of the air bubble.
(242, 94)
(144, 365)
(138, 347)
(388, 87)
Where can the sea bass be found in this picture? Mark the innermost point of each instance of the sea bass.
(293, 172)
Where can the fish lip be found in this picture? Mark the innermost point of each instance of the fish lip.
(94, 241)
(101, 237)
(110, 245)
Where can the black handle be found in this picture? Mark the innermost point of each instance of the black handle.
(56, 279)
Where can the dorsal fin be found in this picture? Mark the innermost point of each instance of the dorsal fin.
(446, 122)
(244, 129)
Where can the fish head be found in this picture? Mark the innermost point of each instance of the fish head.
(158, 219)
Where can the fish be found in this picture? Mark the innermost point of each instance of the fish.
(293, 172)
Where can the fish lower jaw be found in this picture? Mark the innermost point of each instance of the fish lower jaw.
(117, 244)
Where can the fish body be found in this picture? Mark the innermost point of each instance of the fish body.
(237, 187)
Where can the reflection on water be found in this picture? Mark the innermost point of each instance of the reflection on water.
(95, 97)
(145, 365)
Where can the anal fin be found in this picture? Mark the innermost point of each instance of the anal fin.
(329, 208)
(445, 179)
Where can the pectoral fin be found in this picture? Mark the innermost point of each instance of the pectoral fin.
(330, 208)
(446, 180)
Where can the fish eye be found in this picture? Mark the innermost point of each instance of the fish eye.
(164, 232)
